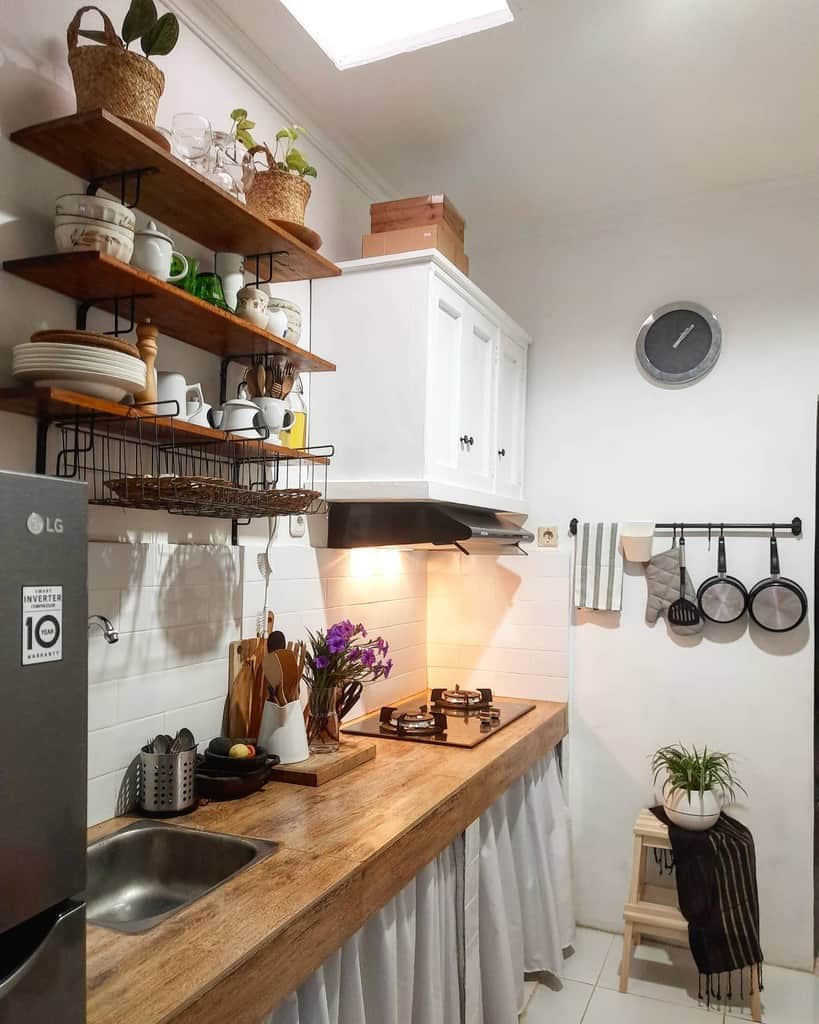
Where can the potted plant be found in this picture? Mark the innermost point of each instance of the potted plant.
(337, 665)
(696, 784)
(112, 75)
(278, 190)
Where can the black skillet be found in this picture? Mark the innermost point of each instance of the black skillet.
(777, 603)
(722, 598)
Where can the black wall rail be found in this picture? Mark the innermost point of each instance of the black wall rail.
(794, 526)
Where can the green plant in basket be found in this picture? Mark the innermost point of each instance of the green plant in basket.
(240, 127)
(286, 157)
(157, 36)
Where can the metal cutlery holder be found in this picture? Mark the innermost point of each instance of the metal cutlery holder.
(167, 782)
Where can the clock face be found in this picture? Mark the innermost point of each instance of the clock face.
(679, 343)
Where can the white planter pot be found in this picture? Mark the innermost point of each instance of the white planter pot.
(696, 815)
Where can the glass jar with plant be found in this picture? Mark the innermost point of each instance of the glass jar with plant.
(696, 784)
(278, 189)
(111, 75)
(337, 665)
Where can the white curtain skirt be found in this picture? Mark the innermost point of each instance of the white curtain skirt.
(454, 944)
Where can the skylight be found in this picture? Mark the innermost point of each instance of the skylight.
(354, 32)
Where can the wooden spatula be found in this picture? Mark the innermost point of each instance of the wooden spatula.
(290, 673)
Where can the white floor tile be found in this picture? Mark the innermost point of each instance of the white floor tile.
(528, 991)
(590, 950)
(789, 997)
(607, 1007)
(565, 1006)
(667, 973)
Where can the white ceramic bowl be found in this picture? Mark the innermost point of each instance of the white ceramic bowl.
(72, 235)
(293, 316)
(79, 207)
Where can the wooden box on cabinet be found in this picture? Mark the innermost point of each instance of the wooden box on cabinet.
(429, 401)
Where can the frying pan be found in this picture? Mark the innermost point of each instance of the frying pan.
(777, 603)
(722, 598)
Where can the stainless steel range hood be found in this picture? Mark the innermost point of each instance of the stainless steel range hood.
(425, 525)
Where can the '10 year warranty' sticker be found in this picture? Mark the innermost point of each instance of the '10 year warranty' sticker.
(42, 624)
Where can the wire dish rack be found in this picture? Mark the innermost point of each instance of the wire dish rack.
(147, 461)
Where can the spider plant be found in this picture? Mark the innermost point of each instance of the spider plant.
(693, 771)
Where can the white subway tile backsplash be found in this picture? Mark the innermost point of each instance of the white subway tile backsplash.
(117, 746)
(177, 688)
(102, 705)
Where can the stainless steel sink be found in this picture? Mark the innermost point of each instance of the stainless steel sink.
(149, 870)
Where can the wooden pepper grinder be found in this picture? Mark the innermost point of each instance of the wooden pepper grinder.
(147, 348)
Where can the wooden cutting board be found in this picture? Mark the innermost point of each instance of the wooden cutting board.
(321, 768)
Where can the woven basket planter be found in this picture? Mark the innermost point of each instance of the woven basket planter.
(275, 194)
(109, 76)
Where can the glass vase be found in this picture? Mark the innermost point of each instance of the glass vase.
(322, 720)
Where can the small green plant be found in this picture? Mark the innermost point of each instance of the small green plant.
(693, 771)
(157, 36)
(240, 127)
(291, 159)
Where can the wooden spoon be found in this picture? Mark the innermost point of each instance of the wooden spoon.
(250, 382)
(272, 668)
(261, 379)
(290, 674)
(287, 386)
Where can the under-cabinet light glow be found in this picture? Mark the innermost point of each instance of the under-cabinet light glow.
(355, 32)
(368, 562)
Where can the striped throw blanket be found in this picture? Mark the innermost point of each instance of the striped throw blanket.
(598, 567)
(716, 885)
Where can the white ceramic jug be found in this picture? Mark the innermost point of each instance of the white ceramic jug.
(230, 266)
(172, 387)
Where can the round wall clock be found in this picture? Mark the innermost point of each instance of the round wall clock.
(679, 343)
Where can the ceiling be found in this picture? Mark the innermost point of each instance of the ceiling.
(578, 107)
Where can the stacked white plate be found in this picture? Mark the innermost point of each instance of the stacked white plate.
(83, 368)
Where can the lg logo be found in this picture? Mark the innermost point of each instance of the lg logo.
(36, 524)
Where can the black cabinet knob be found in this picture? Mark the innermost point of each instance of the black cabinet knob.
(471, 441)
(502, 452)
(464, 439)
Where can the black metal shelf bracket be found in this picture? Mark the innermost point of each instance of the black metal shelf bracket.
(794, 526)
(41, 456)
(84, 308)
(257, 257)
(123, 177)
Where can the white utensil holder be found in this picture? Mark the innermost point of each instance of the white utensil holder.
(638, 539)
(282, 732)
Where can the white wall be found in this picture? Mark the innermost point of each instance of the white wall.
(604, 443)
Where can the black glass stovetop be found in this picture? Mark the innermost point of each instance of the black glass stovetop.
(462, 729)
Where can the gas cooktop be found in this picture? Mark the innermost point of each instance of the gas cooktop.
(454, 718)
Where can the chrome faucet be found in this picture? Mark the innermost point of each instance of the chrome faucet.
(107, 627)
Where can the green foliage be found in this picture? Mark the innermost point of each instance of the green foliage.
(695, 772)
(290, 158)
(141, 17)
(241, 127)
(157, 36)
(161, 37)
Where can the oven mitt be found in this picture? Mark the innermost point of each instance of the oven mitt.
(663, 582)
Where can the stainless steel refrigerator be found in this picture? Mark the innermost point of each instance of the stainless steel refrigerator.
(43, 749)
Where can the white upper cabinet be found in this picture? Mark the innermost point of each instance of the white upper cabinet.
(429, 399)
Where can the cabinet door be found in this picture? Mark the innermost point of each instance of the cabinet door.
(476, 431)
(511, 417)
(447, 332)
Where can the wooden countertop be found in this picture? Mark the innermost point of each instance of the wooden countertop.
(346, 848)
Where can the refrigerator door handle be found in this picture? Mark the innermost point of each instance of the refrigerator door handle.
(12, 975)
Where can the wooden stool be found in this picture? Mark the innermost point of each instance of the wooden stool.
(654, 909)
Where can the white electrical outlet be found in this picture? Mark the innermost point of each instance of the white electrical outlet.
(547, 537)
(298, 526)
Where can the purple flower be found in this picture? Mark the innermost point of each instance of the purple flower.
(387, 667)
(335, 643)
(367, 657)
(354, 654)
(322, 661)
(382, 645)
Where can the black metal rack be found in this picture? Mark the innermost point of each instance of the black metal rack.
(794, 526)
(142, 462)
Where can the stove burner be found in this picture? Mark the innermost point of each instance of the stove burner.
(489, 717)
(422, 722)
(461, 700)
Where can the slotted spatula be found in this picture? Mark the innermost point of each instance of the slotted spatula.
(683, 612)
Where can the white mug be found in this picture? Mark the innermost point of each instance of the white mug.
(198, 413)
(230, 266)
(172, 387)
(276, 415)
(277, 322)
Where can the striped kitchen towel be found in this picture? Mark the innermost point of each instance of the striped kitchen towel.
(598, 567)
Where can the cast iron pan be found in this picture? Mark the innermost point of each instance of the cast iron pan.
(777, 603)
(722, 598)
(217, 785)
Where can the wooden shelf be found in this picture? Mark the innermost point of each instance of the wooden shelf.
(87, 275)
(96, 143)
(57, 403)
